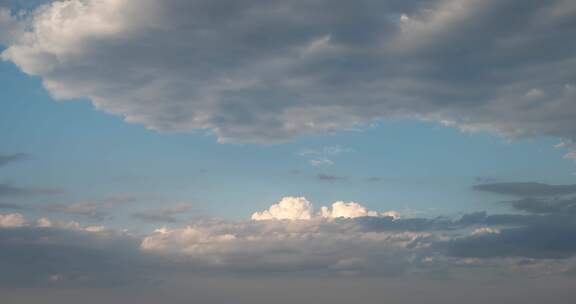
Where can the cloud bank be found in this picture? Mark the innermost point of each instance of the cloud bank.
(268, 71)
(344, 239)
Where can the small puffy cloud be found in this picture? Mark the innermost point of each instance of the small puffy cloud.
(535, 94)
(570, 155)
(352, 210)
(44, 222)
(289, 208)
(346, 210)
(12, 220)
(485, 230)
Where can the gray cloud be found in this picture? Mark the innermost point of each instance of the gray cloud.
(546, 206)
(553, 239)
(10, 158)
(162, 214)
(32, 257)
(257, 71)
(527, 189)
(11, 206)
(329, 177)
(97, 210)
(10, 190)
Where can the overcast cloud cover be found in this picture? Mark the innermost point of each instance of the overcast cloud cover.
(267, 71)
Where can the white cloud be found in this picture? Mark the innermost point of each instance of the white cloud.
(286, 235)
(289, 208)
(12, 220)
(288, 245)
(346, 210)
(44, 222)
(485, 230)
(322, 156)
(264, 73)
(570, 155)
(299, 208)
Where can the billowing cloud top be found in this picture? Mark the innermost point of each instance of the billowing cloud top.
(289, 208)
(262, 71)
(299, 208)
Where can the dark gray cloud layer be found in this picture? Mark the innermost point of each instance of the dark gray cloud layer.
(263, 71)
(527, 189)
(59, 257)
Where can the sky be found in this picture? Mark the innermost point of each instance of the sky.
(217, 151)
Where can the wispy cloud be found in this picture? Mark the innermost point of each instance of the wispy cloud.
(323, 156)
(96, 210)
(330, 177)
(8, 190)
(10, 158)
(162, 214)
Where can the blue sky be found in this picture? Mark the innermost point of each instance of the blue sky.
(91, 155)
(242, 151)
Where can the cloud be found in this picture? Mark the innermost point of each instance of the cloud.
(299, 208)
(323, 156)
(341, 240)
(352, 210)
(253, 72)
(12, 220)
(286, 246)
(545, 206)
(97, 210)
(288, 208)
(162, 214)
(11, 206)
(10, 190)
(10, 158)
(60, 257)
(10, 28)
(549, 240)
(526, 189)
(329, 177)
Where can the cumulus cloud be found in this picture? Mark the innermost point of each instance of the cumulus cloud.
(343, 239)
(288, 208)
(352, 210)
(291, 246)
(12, 220)
(299, 208)
(262, 72)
